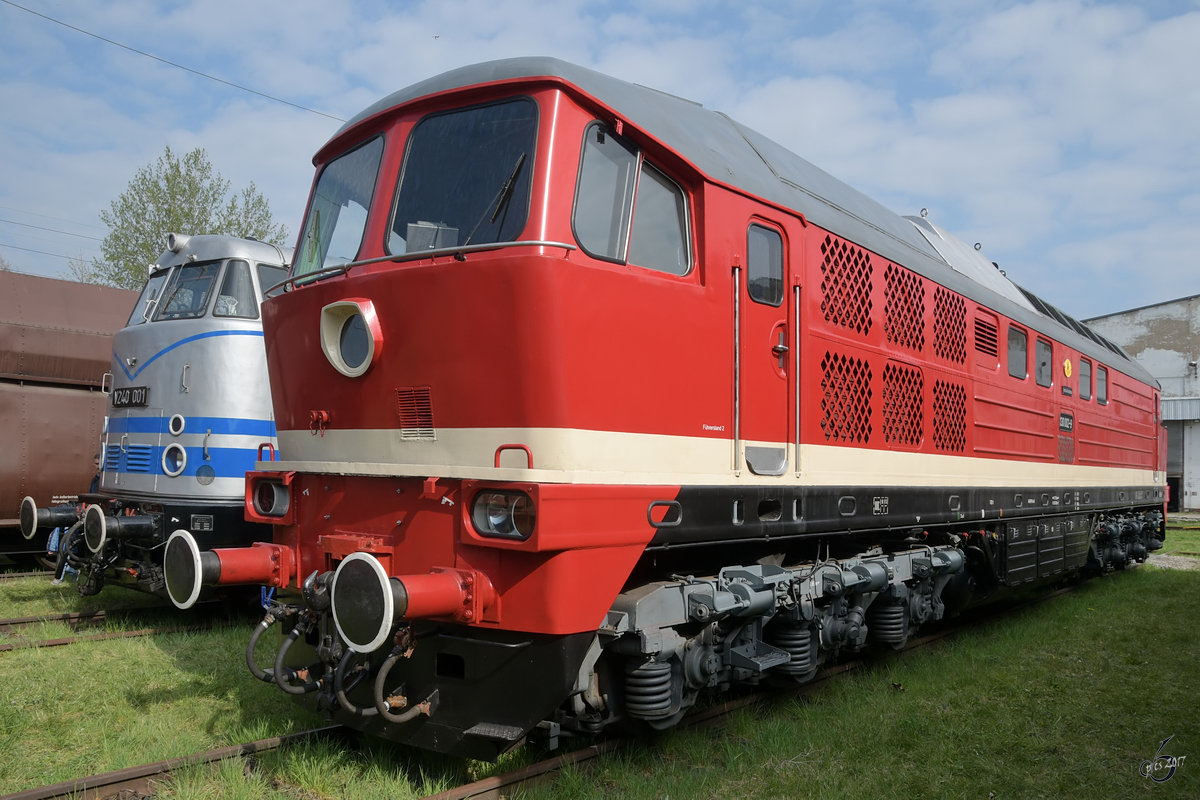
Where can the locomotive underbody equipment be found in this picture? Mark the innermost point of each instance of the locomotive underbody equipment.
(475, 692)
(678, 637)
(119, 542)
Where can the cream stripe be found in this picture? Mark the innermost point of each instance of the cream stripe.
(599, 457)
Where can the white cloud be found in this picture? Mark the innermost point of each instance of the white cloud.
(1059, 133)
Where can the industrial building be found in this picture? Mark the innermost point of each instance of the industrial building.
(1165, 339)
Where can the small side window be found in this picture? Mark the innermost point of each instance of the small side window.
(1101, 385)
(144, 309)
(1085, 379)
(1018, 353)
(764, 265)
(1043, 370)
(269, 276)
(236, 298)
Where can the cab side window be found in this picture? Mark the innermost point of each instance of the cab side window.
(627, 210)
(1018, 353)
(236, 298)
(1044, 357)
(1085, 379)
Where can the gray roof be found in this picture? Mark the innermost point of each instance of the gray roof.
(209, 247)
(732, 154)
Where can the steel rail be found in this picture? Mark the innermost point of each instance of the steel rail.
(75, 619)
(100, 637)
(138, 781)
(8, 576)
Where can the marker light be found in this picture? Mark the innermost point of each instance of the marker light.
(271, 498)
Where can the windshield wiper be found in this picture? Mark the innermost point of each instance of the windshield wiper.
(500, 201)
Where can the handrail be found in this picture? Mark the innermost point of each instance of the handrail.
(416, 255)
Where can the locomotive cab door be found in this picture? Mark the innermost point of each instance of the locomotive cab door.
(765, 352)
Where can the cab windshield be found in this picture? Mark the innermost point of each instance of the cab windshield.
(188, 292)
(466, 178)
(337, 216)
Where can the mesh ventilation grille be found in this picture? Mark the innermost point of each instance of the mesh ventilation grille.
(949, 326)
(949, 417)
(902, 390)
(846, 285)
(846, 399)
(904, 308)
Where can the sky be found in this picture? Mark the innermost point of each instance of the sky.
(1061, 135)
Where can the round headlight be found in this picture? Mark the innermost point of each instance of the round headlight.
(509, 515)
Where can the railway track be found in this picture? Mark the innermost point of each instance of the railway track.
(8, 576)
(18, 627)
(140, 781)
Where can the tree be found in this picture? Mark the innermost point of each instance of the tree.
(80, 270)
(175, 195)
(4, 266)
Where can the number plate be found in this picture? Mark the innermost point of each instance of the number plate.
(130, 396)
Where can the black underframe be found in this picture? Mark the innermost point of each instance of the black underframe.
(708, 515)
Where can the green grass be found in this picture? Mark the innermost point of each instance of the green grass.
(1183, 538)
(66, 712)
(1064, 700)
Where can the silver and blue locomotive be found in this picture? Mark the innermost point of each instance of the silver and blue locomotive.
(189, 413)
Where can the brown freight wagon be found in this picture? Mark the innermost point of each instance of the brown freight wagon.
(55, 346)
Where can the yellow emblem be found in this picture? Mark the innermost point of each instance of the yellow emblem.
(1067, 367)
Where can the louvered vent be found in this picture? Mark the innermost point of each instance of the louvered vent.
(846, 285)
(949, 326)
(1066, 449)
(902, 389)
(112, 458)
(139, 458)
(846, 399)
(949, 417)
(987, 337)
(904, 308)
(415, 407)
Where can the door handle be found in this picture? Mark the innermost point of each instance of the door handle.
(780, 350)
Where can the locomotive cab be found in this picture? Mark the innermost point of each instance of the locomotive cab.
(189, 406)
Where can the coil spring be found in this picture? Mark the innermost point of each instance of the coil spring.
(800, 643)
(648, 689)
(887, 623)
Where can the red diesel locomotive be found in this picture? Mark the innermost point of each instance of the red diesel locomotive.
(594, 399)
